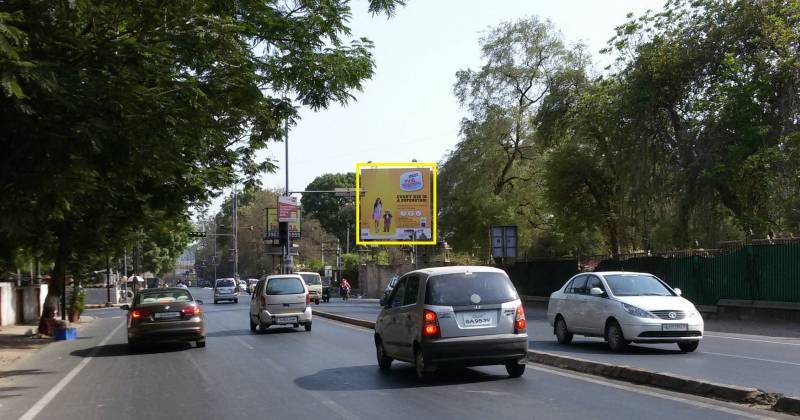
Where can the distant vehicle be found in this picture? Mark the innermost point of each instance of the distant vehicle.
(462, 316)
(314, 283)
(243, 286)
(225, 289)
(624, 307)
(169, 314)
(153, 282)
(281, 299)
(251, 285)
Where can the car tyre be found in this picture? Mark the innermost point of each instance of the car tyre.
(262, 328)
(308, 326)
(515, 369)
(421, 369)
(253, 325)
(316, 301)
(201, 343)
(562, 333)
(236, 301)
(216, 302)
(688, 346)
(384, 361)
(615, 338)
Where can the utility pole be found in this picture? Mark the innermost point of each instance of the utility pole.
(235, 220)
(108, 280)
(323, 253)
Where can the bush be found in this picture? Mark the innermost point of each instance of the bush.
(76, 300)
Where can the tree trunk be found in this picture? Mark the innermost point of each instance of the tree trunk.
(55, 287)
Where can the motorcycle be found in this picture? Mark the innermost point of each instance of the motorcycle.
(345, 291)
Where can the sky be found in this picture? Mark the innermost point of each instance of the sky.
(408, 110)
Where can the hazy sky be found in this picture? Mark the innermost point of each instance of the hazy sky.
(407, 110)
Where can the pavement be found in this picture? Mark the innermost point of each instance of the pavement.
(767, 362)
(288, 373)
(20, 341)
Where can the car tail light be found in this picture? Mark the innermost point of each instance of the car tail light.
(140, 313)
(430, 326)
(308, 298)
(263, 300)
(520, 326)
(191, 310)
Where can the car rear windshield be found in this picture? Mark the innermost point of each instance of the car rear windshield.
(311, 279)
(225, 283)
(460, 289)
(285, 286)
(156, 297)
(636, 285)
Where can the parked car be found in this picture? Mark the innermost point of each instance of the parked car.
(462, 316)
(314, 283)
(225, 289)
(280, 300)
(624, 307)
(168, 314)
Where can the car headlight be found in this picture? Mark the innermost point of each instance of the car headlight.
(694, 314)
(637, 312)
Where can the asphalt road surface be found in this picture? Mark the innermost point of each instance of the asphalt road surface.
(764, 362)
(288, 373)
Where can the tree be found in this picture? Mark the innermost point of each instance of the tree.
(335, 214)
(135, 112)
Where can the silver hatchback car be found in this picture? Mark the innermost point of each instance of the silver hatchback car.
(453, 316)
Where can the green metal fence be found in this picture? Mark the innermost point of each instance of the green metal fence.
(753, 272)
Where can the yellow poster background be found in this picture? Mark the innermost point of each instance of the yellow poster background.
(410, 206)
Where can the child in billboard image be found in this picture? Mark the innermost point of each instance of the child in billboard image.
(377, 213)
(387, 221)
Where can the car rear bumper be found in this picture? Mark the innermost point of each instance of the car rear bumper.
(196, 331)
(655, 333)
(268, 318)
(476, 351)
(227, 296)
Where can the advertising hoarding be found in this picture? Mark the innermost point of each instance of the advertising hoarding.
(396, 203)
(273, 229)
(288, 209)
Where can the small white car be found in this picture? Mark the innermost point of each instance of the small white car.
(624, 307)
(280, 300)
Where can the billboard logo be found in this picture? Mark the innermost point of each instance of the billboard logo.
(411, 181)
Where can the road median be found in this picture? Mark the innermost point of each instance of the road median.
(668, 381)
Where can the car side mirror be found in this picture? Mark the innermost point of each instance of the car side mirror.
(383, 301)
(125, 307)
(678, 291)
(199, 302)
(596, 291)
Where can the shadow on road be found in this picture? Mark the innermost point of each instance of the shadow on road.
(10, 373)
(4, 389)
(123, 349)
(597, 347)
(401, 376)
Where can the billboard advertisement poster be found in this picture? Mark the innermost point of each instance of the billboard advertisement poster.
(273, 227)
(396, 203)
(288, 209)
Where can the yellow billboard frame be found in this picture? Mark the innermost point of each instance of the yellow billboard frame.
(430, 165)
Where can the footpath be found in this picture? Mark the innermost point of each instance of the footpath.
(20, 341)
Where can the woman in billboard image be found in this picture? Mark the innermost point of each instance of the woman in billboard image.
(377, 213)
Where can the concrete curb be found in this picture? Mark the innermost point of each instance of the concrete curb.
(677, 383)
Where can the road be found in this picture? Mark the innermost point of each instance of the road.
(768, 363)
(287, 373)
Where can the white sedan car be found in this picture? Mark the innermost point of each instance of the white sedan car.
(624, 307)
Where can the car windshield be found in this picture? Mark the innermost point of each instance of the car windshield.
(311, 278)
(460, 289)
(224, 283)
(285, 286)
(162, 296)
(636, 285)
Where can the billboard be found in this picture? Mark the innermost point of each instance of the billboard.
(288, 209)
(272, 226)
(396, 203)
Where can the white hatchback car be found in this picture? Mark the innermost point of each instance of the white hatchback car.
(624, 307)
(281, 299)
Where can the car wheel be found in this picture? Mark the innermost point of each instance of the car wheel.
(615, 338)
(201, 343)
(688, 346)
(384, 361)
(308, 326)
(515, 369)
(134, 345)
(422, 371)
(316, 301)
(562, 333)
(253, 325)
(262, 328)
(236, 301)
(216, 302)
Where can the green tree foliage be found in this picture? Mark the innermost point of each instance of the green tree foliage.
(334, 213)
(122, 114)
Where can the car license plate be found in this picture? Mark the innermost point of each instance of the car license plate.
(674, 327)
(167, 315)
(286, 320)
(477, 319)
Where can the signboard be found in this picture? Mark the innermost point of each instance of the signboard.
(396, 203)
(288, 209)
(272, 226)
(328, 271)
(504, 241)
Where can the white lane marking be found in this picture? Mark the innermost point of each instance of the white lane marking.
(752, 339)
(652, 393)
(751, 358)
(42, 403)
(242, 342)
